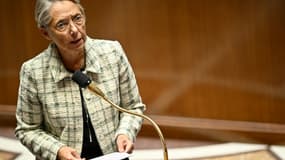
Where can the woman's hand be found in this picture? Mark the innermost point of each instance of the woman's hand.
(67, 153)
(124, 144)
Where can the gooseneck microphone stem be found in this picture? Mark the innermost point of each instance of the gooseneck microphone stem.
(99, 93)
(83, 81)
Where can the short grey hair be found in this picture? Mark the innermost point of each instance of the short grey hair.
(42, 8)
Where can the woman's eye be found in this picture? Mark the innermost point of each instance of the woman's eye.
(61, 25)
(78, 18)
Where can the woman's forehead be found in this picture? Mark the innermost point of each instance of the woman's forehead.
(63, 9)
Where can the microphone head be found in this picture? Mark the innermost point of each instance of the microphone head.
(81, 79)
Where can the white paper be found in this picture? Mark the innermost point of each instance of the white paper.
(113, 156)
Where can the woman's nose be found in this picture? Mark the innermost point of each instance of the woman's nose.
(73, 28)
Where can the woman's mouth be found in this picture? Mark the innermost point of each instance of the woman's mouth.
(76, 41)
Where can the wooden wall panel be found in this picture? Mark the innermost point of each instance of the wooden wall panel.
(193, 58)
(19, 41)
(206, 59)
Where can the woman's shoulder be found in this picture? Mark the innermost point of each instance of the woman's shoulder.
(41, 60)
(103, 44)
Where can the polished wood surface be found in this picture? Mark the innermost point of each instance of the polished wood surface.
(205, 59)
(185, 128)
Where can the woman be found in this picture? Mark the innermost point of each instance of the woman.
(56, 119)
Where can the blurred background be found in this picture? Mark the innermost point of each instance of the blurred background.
(207, 69)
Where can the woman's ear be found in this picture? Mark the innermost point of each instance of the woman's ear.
(45, 33)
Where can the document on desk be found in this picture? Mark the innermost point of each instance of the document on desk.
(113, 156)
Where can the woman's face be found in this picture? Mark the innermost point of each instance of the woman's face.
(67, 28)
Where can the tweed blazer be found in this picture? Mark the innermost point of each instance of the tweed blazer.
(49, 111)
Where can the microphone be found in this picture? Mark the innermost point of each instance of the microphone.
(84, 81)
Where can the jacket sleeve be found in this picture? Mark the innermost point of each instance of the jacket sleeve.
(30, 129)
(130, 98)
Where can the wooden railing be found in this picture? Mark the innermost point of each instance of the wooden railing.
(217, 130)
(194, 128)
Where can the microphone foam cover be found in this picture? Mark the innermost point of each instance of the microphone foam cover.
(81, 79)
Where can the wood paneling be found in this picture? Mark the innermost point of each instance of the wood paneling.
(192, 58)
(19, 41)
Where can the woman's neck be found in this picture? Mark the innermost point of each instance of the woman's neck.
(73, 61)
